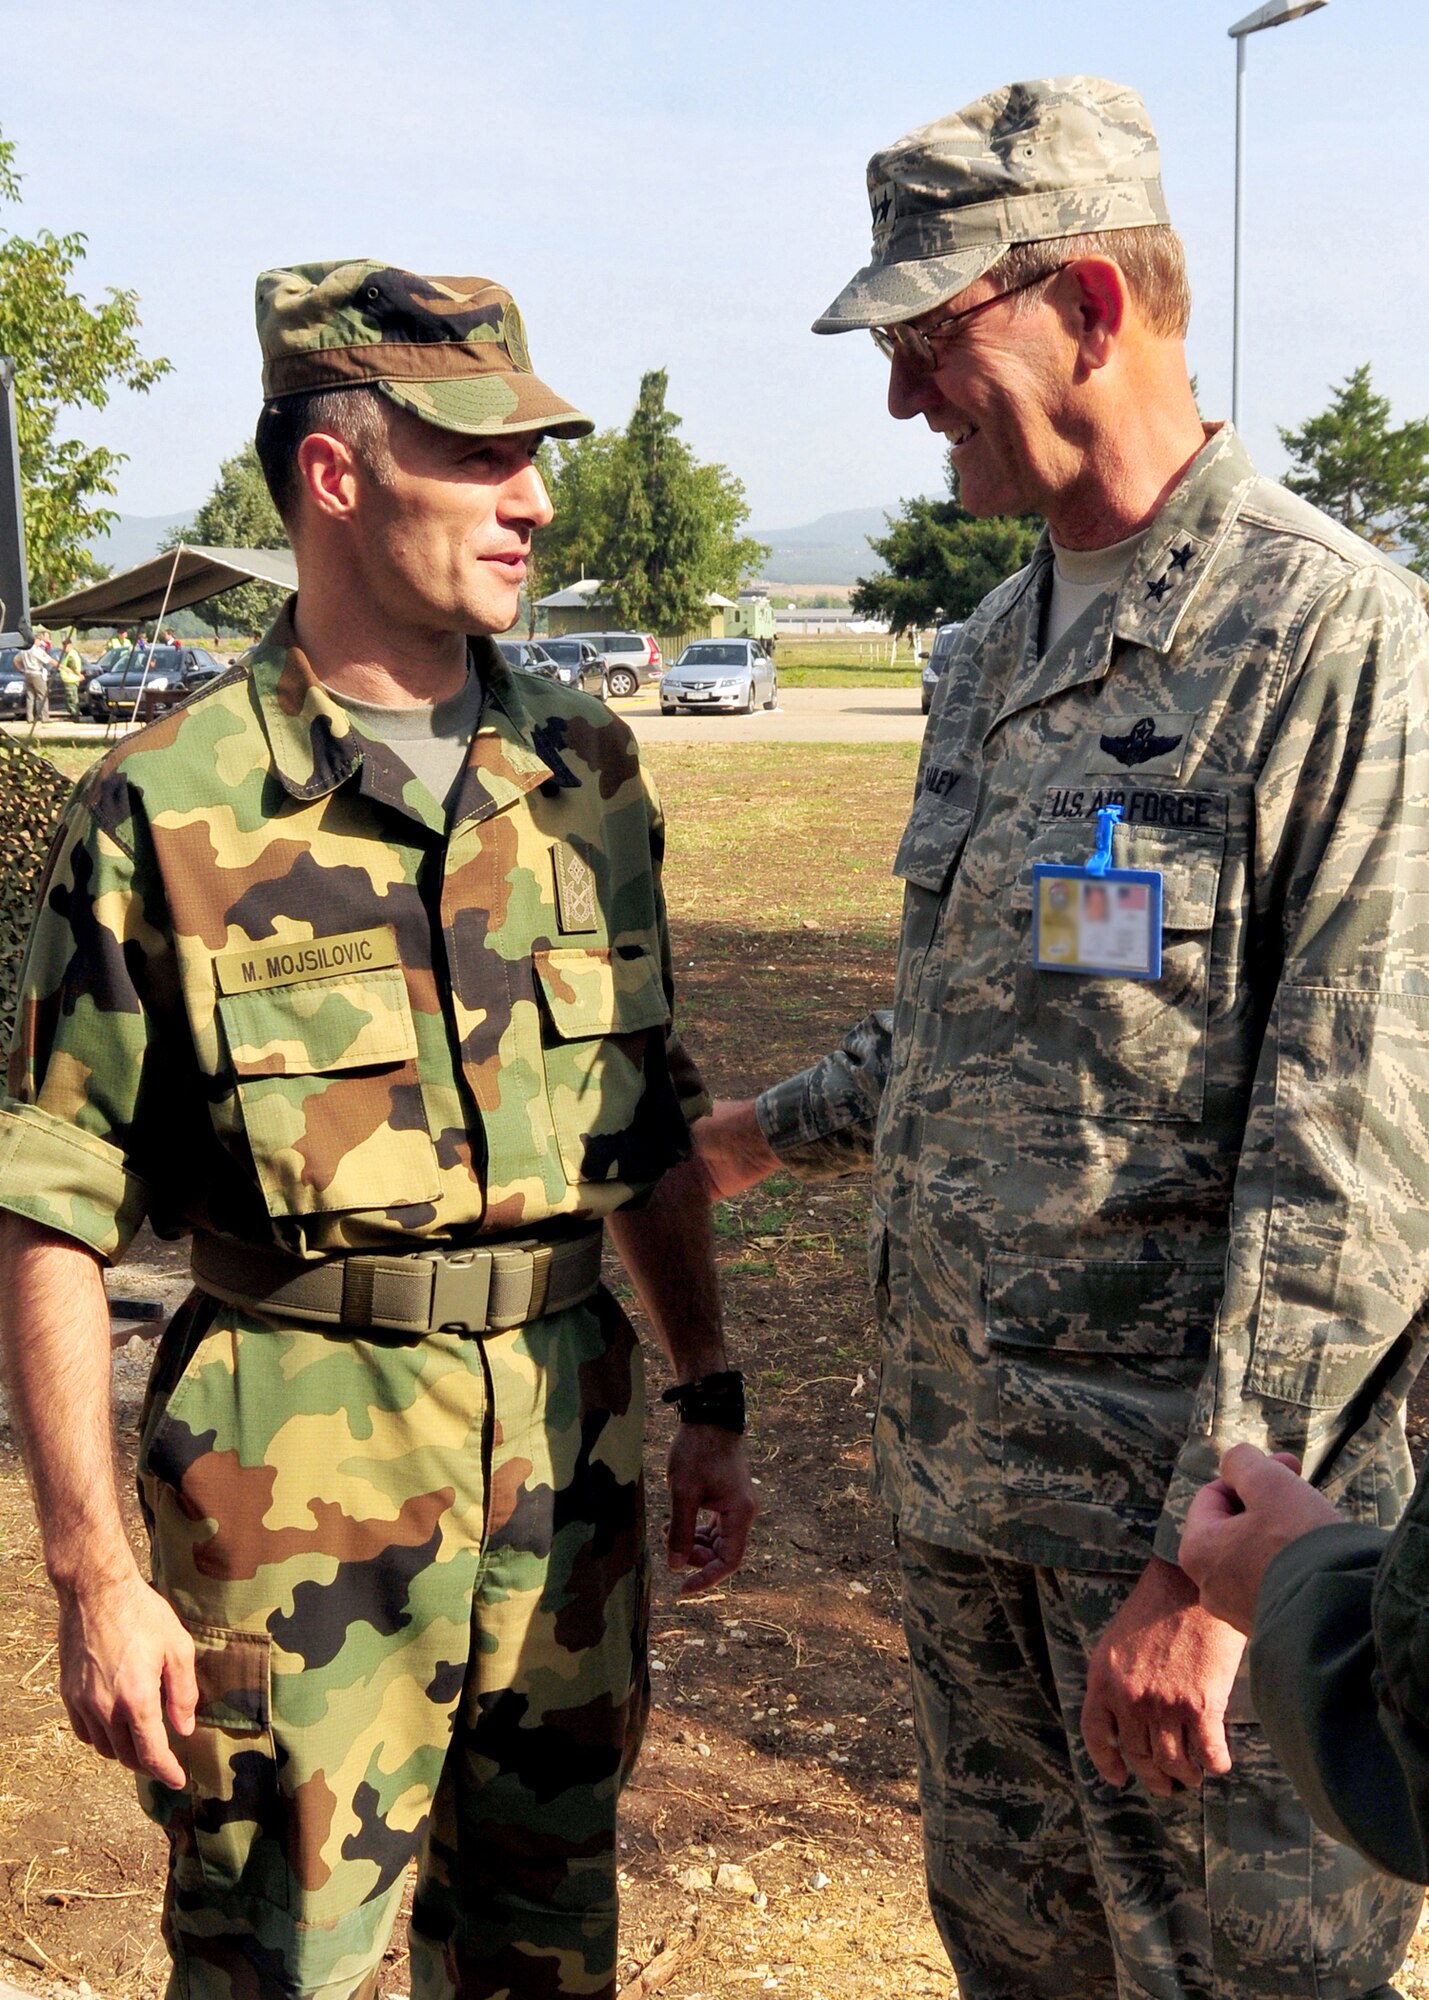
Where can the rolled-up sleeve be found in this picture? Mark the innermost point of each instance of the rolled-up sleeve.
(82, 1067)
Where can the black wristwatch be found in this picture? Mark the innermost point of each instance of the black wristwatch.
(713, 1399)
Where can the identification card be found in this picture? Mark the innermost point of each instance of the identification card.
(1083, 921)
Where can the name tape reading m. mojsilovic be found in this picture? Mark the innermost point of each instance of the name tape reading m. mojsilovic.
(285, 963)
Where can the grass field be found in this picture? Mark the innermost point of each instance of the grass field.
(845, 663)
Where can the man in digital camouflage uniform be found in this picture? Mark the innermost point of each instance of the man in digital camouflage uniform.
(356, 968)
(1119, 1222)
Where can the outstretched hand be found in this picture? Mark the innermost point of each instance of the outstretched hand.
(731, 1151)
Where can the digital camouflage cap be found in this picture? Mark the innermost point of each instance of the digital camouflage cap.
(451, 350)
(1058, 157)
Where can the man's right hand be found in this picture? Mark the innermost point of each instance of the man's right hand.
(126, 1663)
(730, 1148)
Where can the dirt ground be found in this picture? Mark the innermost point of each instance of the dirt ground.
(780, 1748)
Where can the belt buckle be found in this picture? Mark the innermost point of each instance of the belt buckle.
(461, 1291)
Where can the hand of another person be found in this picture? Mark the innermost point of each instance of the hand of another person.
(1238, 1523)
(730, 1149)
(1158, 1687)
(712, 1504)
(126, 1662)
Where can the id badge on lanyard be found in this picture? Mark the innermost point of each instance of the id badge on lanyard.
(1097, 918)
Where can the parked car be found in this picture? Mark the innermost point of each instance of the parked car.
(630, 658)
(939, 653)
(173, 674)
(528, 657)
(578, 664)
(720, 673)
(12, 688)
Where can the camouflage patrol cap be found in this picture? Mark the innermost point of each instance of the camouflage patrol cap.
(1057, 157)
(451, 350)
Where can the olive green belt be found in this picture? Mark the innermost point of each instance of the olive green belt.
(482, 1290)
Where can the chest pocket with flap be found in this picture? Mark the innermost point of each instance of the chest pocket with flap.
(600, 1007)
(1098, 1046)
(326, 1074)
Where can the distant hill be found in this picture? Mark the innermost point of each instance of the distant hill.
(833, 549)
(134, 537)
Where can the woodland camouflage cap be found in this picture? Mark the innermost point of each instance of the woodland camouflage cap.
(451, 350)
(1057, 157)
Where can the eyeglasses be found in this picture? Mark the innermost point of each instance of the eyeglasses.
(915, 343)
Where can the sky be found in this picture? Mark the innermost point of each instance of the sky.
(681, 185)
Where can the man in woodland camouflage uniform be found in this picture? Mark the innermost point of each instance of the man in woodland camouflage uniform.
(356, 968)
(1120, 1222)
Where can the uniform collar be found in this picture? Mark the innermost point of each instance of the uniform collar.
(1177, 558)
(317, 744)
(1163, 582)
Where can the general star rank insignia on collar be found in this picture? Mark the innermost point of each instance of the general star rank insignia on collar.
(1140, 743)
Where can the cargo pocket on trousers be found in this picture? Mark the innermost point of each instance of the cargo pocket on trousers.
(232, 1766)
(332, 1106)
(600, 1006)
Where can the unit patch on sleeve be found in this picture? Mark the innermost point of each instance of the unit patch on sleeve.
(1154, 744)
(575, 892)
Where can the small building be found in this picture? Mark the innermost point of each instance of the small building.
(581, 608)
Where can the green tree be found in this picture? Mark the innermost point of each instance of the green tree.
(1357, 466)
(239, 514)
(636, 508)
(69, 355)
(941, 561)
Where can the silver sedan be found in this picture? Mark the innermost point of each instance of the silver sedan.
(720, 674)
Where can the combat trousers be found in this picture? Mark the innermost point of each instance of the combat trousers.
(415, 1574)
(1046, 1882)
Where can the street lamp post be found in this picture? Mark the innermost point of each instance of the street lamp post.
(1273, 14)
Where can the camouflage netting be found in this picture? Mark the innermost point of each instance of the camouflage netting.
(32, 796)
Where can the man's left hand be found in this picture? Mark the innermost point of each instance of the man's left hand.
(712, 1504)
(1158, 1687)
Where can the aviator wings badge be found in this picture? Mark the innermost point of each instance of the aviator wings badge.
(1140, 743)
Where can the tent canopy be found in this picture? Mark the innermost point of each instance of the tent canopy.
(167, 582)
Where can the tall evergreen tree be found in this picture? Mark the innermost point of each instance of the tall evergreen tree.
(1373, 475)
(637, 509)
(239, 514)
(941, 561)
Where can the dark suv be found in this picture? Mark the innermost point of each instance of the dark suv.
(577, 663)
(941, 651)
(173, 674)
(630, 658)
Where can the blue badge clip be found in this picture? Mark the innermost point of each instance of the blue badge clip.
(1107, 817)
